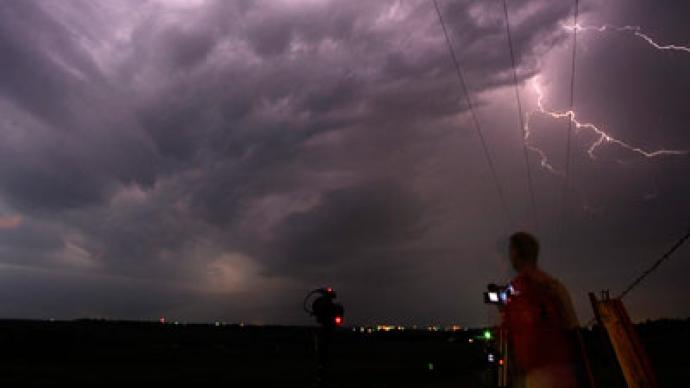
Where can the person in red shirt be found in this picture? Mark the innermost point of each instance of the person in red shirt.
(540, 320)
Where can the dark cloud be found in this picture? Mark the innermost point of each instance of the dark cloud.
(371, 223)
(215, 159)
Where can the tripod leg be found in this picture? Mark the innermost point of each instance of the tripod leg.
(323, 339)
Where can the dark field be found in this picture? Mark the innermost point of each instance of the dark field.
(97, 353)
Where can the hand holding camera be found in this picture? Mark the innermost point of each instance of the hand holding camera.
(498, 295)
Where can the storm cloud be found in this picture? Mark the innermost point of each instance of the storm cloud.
(217, 159)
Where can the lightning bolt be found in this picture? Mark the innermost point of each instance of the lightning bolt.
(635, 30)
(543, 157)
(602, 137)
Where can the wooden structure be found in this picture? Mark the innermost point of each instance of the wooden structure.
(635, 365)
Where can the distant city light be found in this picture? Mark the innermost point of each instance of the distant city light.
(386, 327)
(487, 334)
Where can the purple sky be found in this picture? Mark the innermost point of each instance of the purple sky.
(215, 160)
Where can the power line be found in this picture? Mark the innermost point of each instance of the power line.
(656, 265)
(566, 179)
(475, 119)
(530, 185)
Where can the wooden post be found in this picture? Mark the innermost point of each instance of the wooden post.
(633, 360)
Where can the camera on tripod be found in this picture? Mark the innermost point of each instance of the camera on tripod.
(327, 312)
(498, 295)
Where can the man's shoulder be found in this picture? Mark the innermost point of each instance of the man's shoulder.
(538, 277)
(542, 282)
(553, 281)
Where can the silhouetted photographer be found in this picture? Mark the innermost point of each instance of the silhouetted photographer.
(540, 320)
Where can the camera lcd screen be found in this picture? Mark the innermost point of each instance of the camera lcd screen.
(493, 297)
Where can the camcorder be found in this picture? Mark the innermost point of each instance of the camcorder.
(327, 312)
(498, 295)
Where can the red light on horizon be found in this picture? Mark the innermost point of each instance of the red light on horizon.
(338, 320)
(500, 362)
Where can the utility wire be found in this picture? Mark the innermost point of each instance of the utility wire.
(651, 269)
(475, 119)
(530, 185)
(566, 180)
(656, 264)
